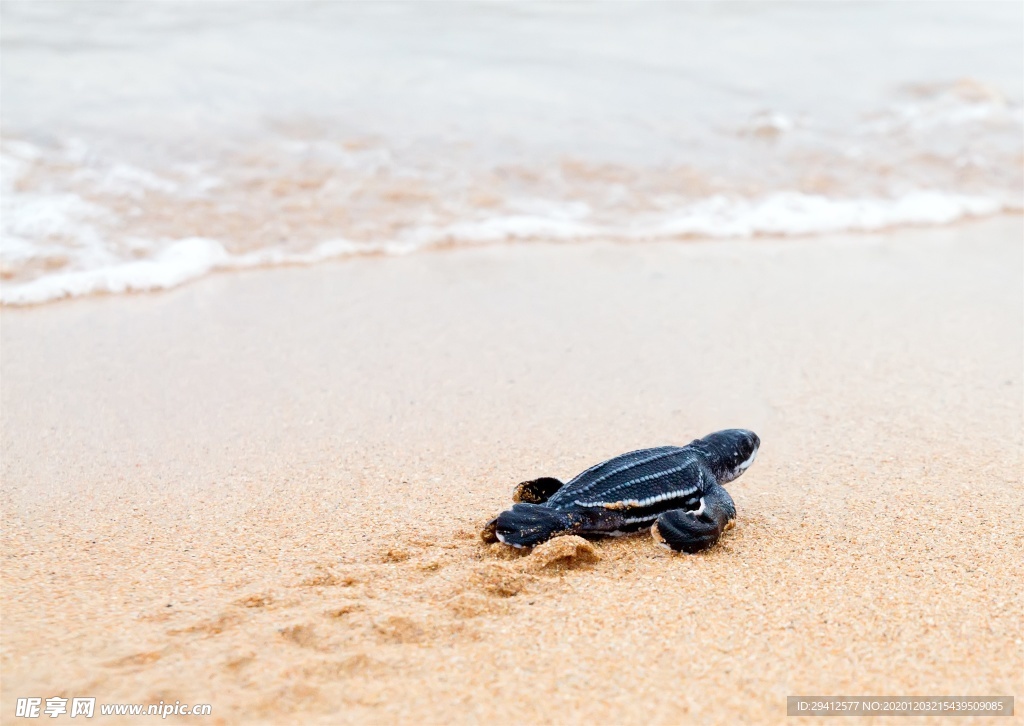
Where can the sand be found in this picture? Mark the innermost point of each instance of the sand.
(262, 491)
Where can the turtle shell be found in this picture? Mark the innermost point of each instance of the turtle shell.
(660, 478)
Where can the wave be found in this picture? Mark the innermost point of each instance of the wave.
(80, 218)
(786, 214)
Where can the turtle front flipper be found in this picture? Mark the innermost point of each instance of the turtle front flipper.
(691, 531)
(537, 491)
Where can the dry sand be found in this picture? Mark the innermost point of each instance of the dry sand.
(262, 491)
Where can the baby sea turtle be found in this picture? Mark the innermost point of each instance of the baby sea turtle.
(675, 490)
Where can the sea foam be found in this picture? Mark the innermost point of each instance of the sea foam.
(783, 214)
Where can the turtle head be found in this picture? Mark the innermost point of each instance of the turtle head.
(729, 452)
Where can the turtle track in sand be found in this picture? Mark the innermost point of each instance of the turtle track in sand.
(331, 631)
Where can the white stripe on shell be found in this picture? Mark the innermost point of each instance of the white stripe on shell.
(639, 502)
(626, 467)
(650, 477)
(648, 518)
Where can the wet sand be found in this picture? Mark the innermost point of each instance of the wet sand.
(262, 491)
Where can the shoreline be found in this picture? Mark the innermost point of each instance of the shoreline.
(262, 491)
(196, 258)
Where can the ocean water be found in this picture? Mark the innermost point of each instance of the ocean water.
(148, 144)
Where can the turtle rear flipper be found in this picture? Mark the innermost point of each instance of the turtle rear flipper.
(526, 525)
(692, 531)
(489, 533)
(537, 491)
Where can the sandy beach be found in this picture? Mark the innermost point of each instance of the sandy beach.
(262, 491)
